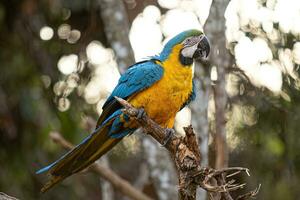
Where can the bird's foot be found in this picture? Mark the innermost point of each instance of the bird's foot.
(169, 133)
(141, 113)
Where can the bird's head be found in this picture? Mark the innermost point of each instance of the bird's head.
(192, 45)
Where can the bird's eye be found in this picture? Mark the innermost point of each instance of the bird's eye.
(188, 40)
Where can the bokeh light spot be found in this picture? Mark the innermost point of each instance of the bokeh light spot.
(63, 104)
(46, 33)
(74, 36)
(96, 53)
(68, 64)
(64, 31)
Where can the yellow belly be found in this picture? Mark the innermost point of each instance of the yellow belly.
(165, 98)
(160, 103)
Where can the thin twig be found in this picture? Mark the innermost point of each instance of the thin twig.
(250, 194)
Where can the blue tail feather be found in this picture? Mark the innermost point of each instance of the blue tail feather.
(45, 169)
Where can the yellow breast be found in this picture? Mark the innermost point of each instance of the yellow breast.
(164, 99)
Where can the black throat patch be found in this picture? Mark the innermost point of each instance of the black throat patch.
(185, 60)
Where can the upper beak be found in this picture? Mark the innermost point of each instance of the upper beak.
(203, 48)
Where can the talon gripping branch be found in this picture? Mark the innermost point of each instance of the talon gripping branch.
(161, 85)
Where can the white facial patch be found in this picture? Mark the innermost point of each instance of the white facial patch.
(189, 51)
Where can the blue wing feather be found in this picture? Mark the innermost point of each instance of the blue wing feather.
(137, 78)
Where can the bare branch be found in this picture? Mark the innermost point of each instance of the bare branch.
(186, 155)
(250, 194)
(4, 196)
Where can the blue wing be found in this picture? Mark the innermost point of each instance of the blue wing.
(137, 78)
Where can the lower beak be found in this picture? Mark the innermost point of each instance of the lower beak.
(203, 49)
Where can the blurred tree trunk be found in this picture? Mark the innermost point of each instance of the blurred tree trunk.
(27, 24)
(106, 187)
(219, 57)
(8, 127)
(162, 170)
(116, 29)
(199, 115)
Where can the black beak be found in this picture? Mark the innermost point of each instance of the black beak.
(203, 49)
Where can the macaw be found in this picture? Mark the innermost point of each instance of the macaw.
(161, 85)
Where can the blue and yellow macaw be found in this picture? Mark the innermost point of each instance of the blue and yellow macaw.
(161, 85)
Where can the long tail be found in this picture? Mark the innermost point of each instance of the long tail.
(84, 154)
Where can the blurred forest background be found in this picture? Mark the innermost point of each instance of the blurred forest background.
(60, 59)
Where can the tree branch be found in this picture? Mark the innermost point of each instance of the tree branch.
(186, 155)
